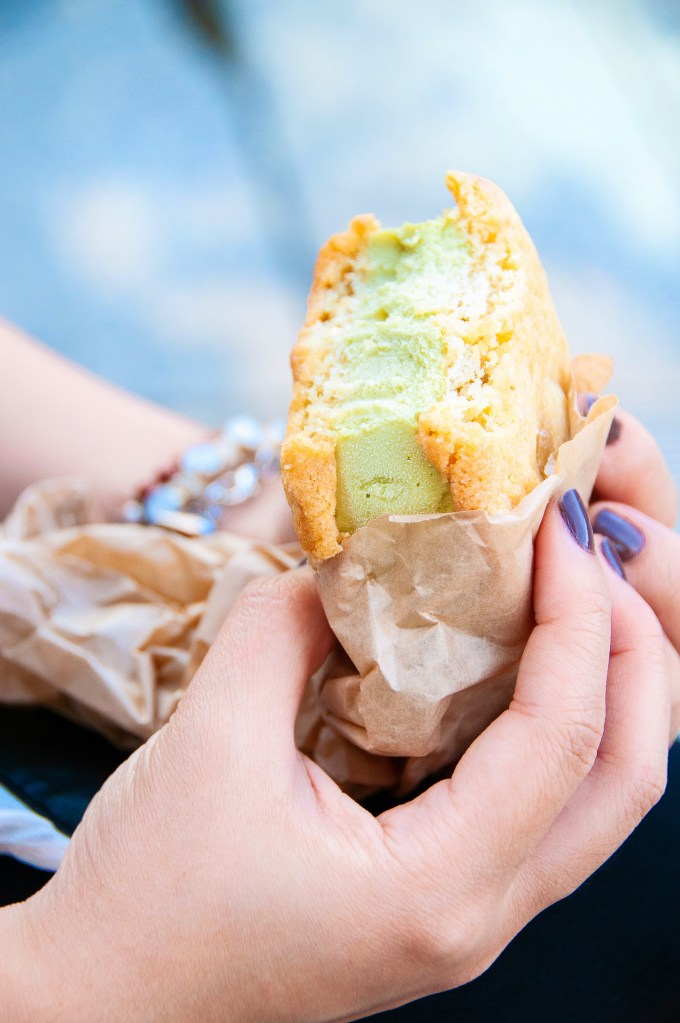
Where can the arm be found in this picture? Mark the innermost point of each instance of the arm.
(57, 419)
(219, 874)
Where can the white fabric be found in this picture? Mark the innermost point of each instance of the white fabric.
(27, 836)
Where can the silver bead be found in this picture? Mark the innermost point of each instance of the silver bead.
(206, 508)
(217, 491)
(230, 453)
(206, 458)
(246, 480)
(245, 431)
(233, 487)
(168, 497)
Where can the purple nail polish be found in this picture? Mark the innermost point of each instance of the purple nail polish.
(614, 431)
(626, 537)
(576, 518)
(612, 557)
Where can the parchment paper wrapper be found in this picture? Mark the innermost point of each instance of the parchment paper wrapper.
(108, 623)
(433, 613)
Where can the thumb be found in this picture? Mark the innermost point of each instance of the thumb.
(516, 777)
(255, 673)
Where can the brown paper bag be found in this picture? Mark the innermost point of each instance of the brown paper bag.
(434, 612)
(107, 623)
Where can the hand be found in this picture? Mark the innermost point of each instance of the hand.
(636, 508)
(66, 418)
(220, 875)
(265, 517)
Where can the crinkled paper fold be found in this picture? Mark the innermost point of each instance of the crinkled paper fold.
(108, 622)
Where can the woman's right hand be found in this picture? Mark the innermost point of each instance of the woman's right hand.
(635, 509)
(220, 875)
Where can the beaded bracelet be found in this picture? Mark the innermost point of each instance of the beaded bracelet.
(194, 495)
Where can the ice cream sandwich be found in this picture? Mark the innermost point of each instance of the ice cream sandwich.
(431, 374)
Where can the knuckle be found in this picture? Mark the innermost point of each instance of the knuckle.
(455, 951)
(595, 611)
(465, 971)
(572, 731)
(260, 594)
(580, 740)
(588, 651)
(587, 617)
(646, 786)
(442, 943)
(584, 629)
(262, 599)
(446, 935)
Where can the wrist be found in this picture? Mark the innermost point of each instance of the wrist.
(67, 961)
(44, 974)
(211, 479)
(150, 442)
(24, 985)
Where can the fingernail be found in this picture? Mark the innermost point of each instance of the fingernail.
(614, 431)
(611, 556)
(576, 518)
(586, 402)
(627, 538)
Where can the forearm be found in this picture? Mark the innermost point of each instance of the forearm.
(58, 419)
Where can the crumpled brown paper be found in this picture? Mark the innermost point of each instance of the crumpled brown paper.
(107, 623)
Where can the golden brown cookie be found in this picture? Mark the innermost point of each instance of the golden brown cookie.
(431, 372)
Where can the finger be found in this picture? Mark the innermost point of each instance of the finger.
(673, 659)
(651, 555)
(629, 773)
(275, 637)
(517, 776)
(633, 471)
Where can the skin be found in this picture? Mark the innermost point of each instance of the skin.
(634, 481)
(220, 875)
(56, 419)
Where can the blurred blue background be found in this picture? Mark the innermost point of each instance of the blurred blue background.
(168, 170)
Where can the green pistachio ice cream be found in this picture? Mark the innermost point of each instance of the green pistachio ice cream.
(431, 374)
(389, 367)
